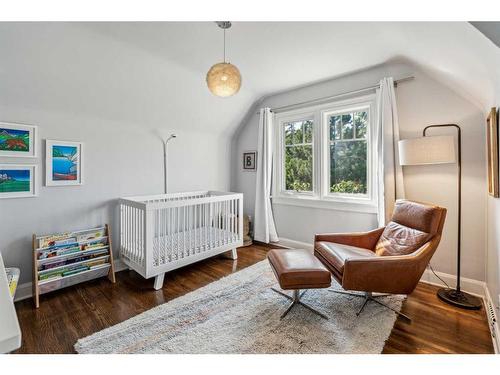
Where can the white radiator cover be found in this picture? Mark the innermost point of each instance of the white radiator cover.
(493, 323)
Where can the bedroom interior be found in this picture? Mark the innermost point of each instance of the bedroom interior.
(190, 186)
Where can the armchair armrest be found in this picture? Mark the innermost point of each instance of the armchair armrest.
(366, 240)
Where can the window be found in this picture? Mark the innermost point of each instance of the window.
(324, 155)
(298, 155)
(348, 153)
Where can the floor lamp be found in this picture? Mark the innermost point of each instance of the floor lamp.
(165, 162)
(441, 150)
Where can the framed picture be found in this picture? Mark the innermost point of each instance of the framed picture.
(17, 140)
(63, 163)
(492, 139)
(250, 161)
(18, 180)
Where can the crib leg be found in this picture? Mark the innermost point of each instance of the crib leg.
(159, 281)
(234, 254)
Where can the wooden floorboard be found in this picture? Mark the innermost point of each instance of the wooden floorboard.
(67, 315)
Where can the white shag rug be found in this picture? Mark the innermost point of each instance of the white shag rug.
(241, 314)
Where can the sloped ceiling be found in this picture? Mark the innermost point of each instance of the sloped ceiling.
(153, 74)
(490, 29)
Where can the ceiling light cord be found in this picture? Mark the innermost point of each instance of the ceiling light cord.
(224, 45)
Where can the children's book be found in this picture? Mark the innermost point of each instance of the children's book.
(13, 279)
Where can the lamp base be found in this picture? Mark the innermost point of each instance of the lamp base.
(459, 299)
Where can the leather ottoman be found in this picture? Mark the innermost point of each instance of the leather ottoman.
(297, 269)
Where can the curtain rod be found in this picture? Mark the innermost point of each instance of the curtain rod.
(328, 98)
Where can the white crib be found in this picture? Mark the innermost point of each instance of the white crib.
(160, 233)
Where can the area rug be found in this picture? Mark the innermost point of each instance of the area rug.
(241, 314)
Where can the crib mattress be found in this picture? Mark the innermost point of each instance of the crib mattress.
(171, 247)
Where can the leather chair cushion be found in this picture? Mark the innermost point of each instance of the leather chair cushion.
(298, 269)
(419, 216)
(398, 239)
(336, 254)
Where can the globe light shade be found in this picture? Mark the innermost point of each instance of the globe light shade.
(224, 79)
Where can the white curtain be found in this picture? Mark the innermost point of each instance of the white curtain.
(264, 228)
(389, 171)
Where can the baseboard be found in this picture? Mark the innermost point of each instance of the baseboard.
(475, 287)
(292, 244)
(25, 290)
(270, 245)
(120, 266)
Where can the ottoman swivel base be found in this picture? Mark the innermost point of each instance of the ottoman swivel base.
(297, 269)
(296, 301)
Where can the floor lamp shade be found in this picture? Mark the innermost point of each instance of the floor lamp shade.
(427, 150)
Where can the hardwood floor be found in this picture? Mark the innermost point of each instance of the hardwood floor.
(67, 315)
(438, 327)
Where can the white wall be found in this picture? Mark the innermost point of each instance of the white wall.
(421, 102)
(493, 251)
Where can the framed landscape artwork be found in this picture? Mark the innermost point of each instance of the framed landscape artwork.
(63, 163)
(492, 139)
(17, 140)
(250, 161)
(17, 180)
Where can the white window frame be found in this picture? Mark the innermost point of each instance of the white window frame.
(321, 197)
(295, 117)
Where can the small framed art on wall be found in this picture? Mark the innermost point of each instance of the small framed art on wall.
(18, 180)
(492, 139)
(250, 161)
(63, 163)
(17, 140)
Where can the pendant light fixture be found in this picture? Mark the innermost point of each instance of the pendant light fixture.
(224, 79)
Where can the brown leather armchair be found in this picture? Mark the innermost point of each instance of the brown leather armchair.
(386, 260)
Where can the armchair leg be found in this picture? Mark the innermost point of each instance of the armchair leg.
(368, 296)
(363, 306)
(390, 308)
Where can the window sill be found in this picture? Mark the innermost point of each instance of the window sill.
(326, 204)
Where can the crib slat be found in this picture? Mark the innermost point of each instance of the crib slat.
(233, 218)
(171, 233)
(208, 235)
(184, 247)
(224, 216)
(195, 226)
(217, 224)
(226, 221)
(134, 230)
(188, 230)
(177, 231)
(164, 235)
(129, 230)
